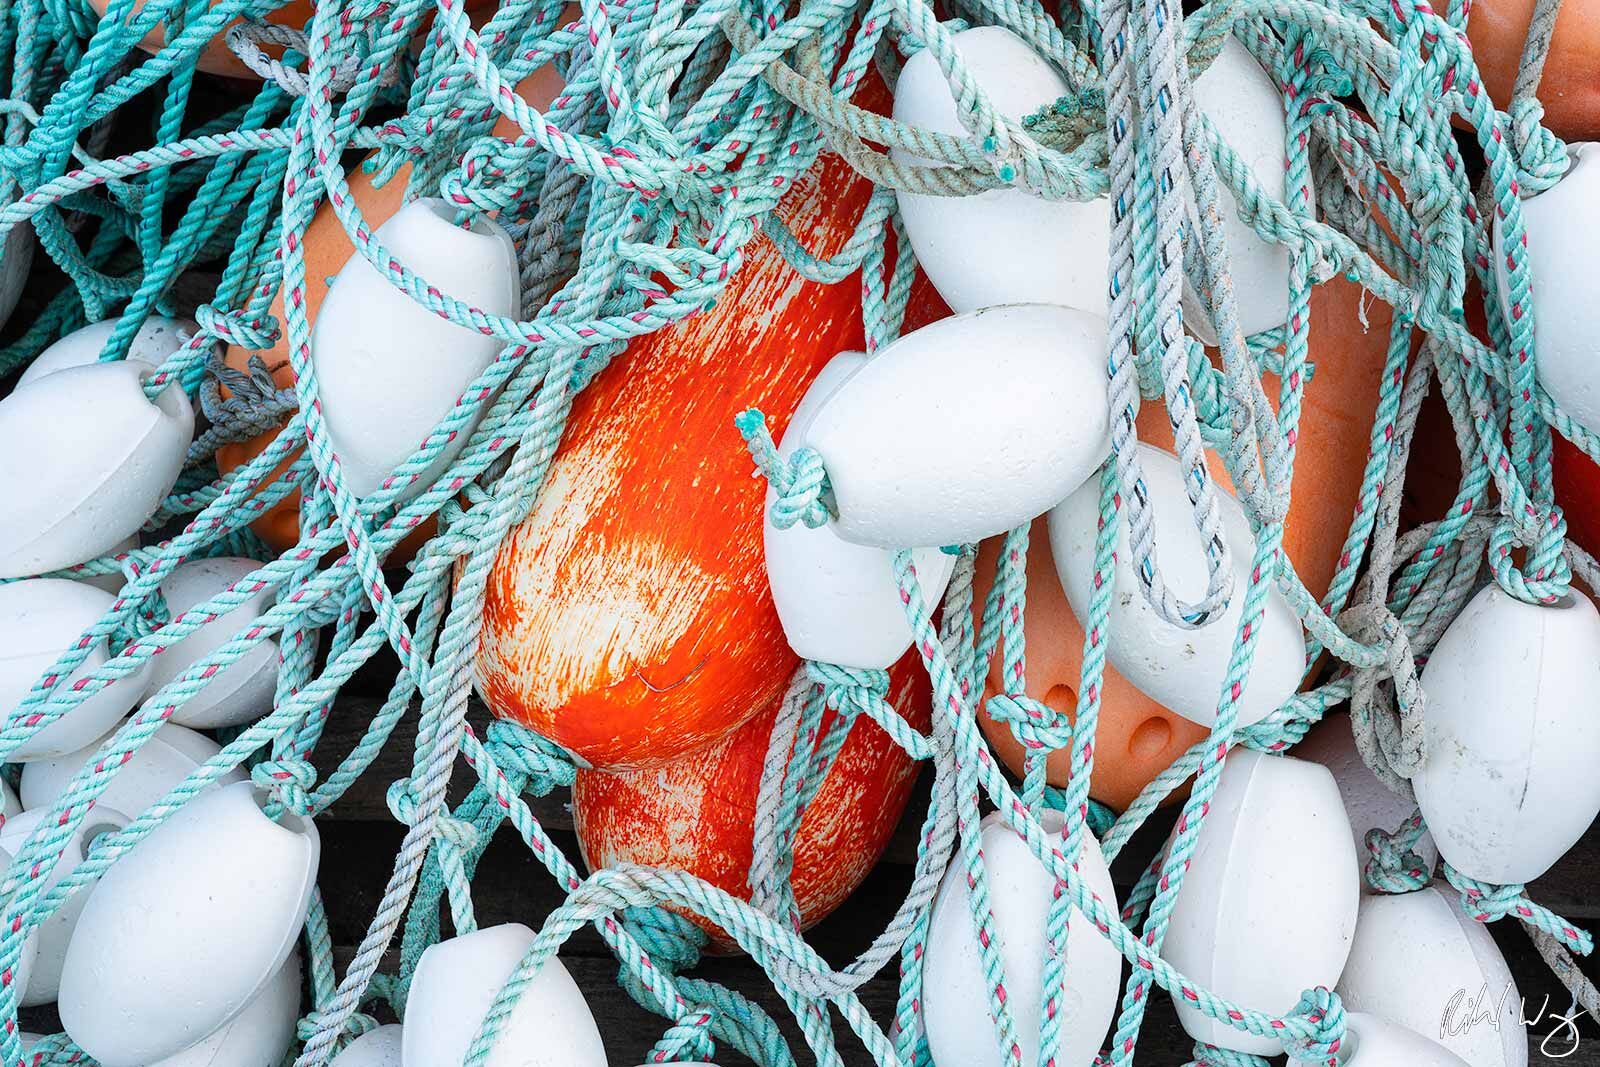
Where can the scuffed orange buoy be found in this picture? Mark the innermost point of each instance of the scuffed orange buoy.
(696, 814)
(628, 618)
(1569, 87)
(327, 249)
(1137, 738)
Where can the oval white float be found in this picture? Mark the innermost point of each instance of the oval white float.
(388, 368)
(1001, 246)
(1421, 962)
(156, 339)
(1508, 780)
(1247, 109)
(1563, 303)
(1274, 866)
(257, 1036)
(55, 933)
(40, 618)
(161, 763)
(1368, 803)
(375, 1048)
(240, 693)
(838, 601)
(967, 427)
(456, 983)
(161, 959)
(101, 458)
(954, 991)
(1183, 669)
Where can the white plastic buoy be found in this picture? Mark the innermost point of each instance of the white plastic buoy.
(456, 983)
(375, 1048)
(161, 959)
(1420, 961)
(155, 340)
(101, 458)
(838, 601)
(955, 992)
(1368, 803)
(55, 933)
(1182, 669)
(257, 1036)
(1372, 1041)
(1508, 781)
(1564, 322)
(1002, 246)
(241, 692)
(16, 256)
(41, 618)
(388, 368)
(967, 427)
(1267, 909)
(161, 763)
(1247, 110)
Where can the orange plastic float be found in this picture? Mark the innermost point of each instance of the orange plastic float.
(628, 618)
(697, 815)
(1569, 87)
(1136, 737)
(327, 249)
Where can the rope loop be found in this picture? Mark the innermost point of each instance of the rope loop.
(1035, 724)
(1487, 903)
(1541, 157)
(688, 1038)
(800, 482)
(1315, 1029)
(288, 781)
(1391, 866)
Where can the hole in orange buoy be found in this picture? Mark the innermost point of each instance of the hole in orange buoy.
(1062, 698)
(1150, 738)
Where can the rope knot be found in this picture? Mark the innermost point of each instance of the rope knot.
(800, 482)
(404, 806)
(236, 328)
(540, 763)
(1541, 156)
(358, 1023)
(849, 691)
(1035, 724)
(1393, 867)
(289, 782)
(688, 1039)
(1315, 1028)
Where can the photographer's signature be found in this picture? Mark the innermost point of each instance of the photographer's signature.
(1464, 1012)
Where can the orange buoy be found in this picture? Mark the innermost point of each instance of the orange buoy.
(327, 249)
(697, 813)
(1569, 87)
(628, 617)
(1136, 737)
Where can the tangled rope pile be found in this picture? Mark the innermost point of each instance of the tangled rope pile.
(633, 200)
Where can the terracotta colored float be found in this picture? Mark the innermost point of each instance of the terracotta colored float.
(327, 250)
(696, 815)
(628, 618)
(1569, 88)
(1136, 737)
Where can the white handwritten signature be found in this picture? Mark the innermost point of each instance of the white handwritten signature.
(1464, 1012)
